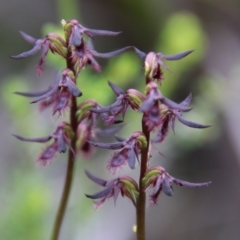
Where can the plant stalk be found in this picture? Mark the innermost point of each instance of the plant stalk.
(141, 203)
(71, 160)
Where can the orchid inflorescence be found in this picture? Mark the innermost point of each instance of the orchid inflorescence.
(158, 113)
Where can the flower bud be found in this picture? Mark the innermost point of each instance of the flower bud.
(129, 188)
(135, 98)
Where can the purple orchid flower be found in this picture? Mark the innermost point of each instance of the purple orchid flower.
(58, 95)
(124, 185)
(131, 97)
(52, 42)
(61, 140)
(130, 149)
(154, 61)
(161, 181)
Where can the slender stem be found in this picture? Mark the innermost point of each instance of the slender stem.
(68, 179)
(141, 203)
(70, 166)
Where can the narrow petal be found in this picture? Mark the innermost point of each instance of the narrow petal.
(102, 194)
(120, 139)
(29, 53)
(157, 190)
(95, 32)
(110, 54)
(38, 140)
(107, 108)
(191, 124)
(176, 56)
(189, 184)
(116, 145)
(187, 101)
(174, 105)
(110, 131)
(90, 45)
(50, 93)
(115, 194)
(28, 38)
(95, 65)
(140, 54)
(97, 180)
(33, 94)
(68, 143)
(117, 90)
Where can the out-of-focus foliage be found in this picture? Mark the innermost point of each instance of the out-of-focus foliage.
(182, 31)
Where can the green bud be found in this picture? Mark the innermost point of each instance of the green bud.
(135, 98)
(84, 107)
(151, 65)
(150, 175)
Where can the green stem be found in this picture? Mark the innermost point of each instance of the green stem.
(71, 161)
(68, 179)
(141, 203)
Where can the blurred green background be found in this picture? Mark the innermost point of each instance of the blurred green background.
(30, 194)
